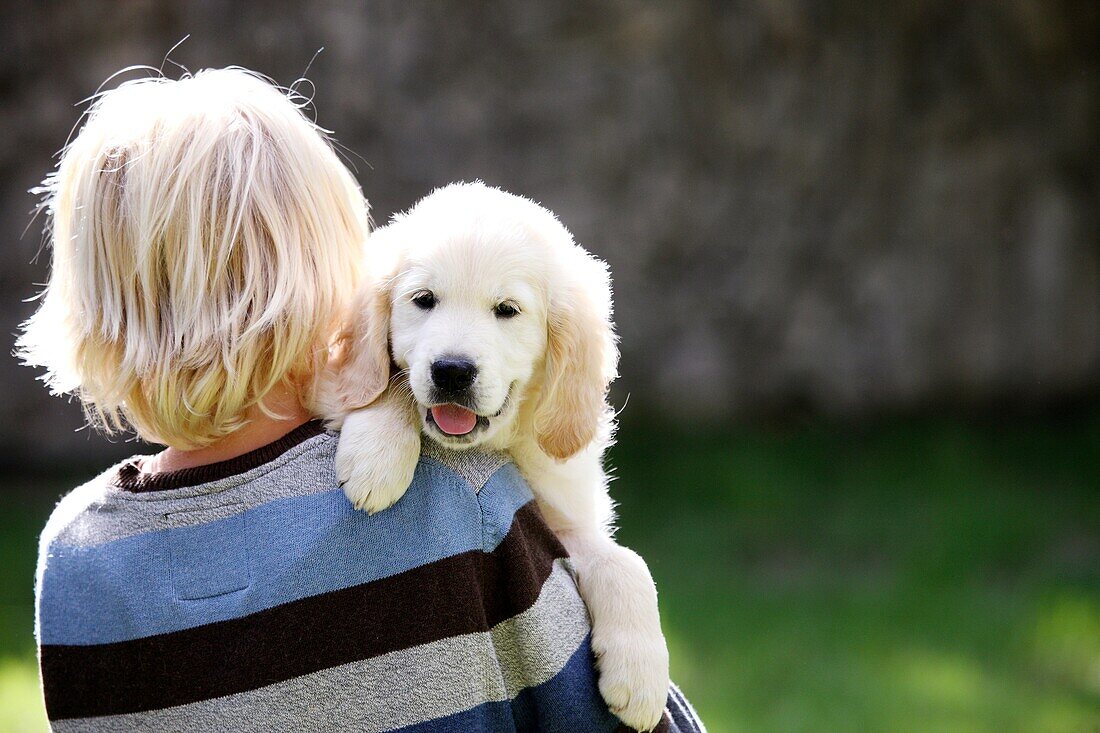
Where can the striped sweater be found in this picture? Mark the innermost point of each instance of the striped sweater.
(249, 596)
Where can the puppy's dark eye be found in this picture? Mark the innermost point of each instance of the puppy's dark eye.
(425, 300)
(506, 310)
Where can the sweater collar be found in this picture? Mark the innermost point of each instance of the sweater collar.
(131, 478)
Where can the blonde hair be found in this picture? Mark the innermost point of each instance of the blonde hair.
(206, 241)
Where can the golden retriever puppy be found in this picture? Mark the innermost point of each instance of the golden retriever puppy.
(500, 328)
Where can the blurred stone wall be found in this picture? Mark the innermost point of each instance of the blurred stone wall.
(842, 207)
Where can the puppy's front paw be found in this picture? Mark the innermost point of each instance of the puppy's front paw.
(375, 460)
(630, 649)
(633, 675)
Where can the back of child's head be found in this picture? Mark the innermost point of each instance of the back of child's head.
(206, 239)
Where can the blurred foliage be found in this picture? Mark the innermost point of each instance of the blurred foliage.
(24, 506)
(842, 206)
(918, 575)
(913, 576)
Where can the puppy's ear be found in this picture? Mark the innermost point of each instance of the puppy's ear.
(581, 360)
(361, 371)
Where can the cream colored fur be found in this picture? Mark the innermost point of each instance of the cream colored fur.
(541, 388)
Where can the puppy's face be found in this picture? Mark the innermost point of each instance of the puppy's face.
(500, 321)
(468, 324)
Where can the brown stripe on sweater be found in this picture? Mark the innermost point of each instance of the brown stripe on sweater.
(415, 607)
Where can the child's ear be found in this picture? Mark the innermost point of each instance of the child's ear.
(362, 367)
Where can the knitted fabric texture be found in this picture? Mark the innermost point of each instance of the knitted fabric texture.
(261, 600)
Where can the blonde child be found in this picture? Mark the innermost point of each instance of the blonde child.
(206, 243)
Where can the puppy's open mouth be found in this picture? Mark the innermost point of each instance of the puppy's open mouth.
(455, 419)
(459, 422)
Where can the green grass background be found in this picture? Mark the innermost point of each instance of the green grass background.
(922, 575)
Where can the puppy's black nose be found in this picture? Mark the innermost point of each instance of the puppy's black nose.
(453, 375)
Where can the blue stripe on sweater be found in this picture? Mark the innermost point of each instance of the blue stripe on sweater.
(568, 702)
(271, 554)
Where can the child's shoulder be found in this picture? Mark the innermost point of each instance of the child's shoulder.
(89, 497)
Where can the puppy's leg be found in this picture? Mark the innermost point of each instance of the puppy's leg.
(378, 451)
(614, 582)
(630, 649)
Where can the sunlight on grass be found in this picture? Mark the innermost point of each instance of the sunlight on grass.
(1067, 640)
(943, 680)
(21, 708)
(911, 578)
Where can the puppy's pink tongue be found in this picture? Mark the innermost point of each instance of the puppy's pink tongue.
(454, 420)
